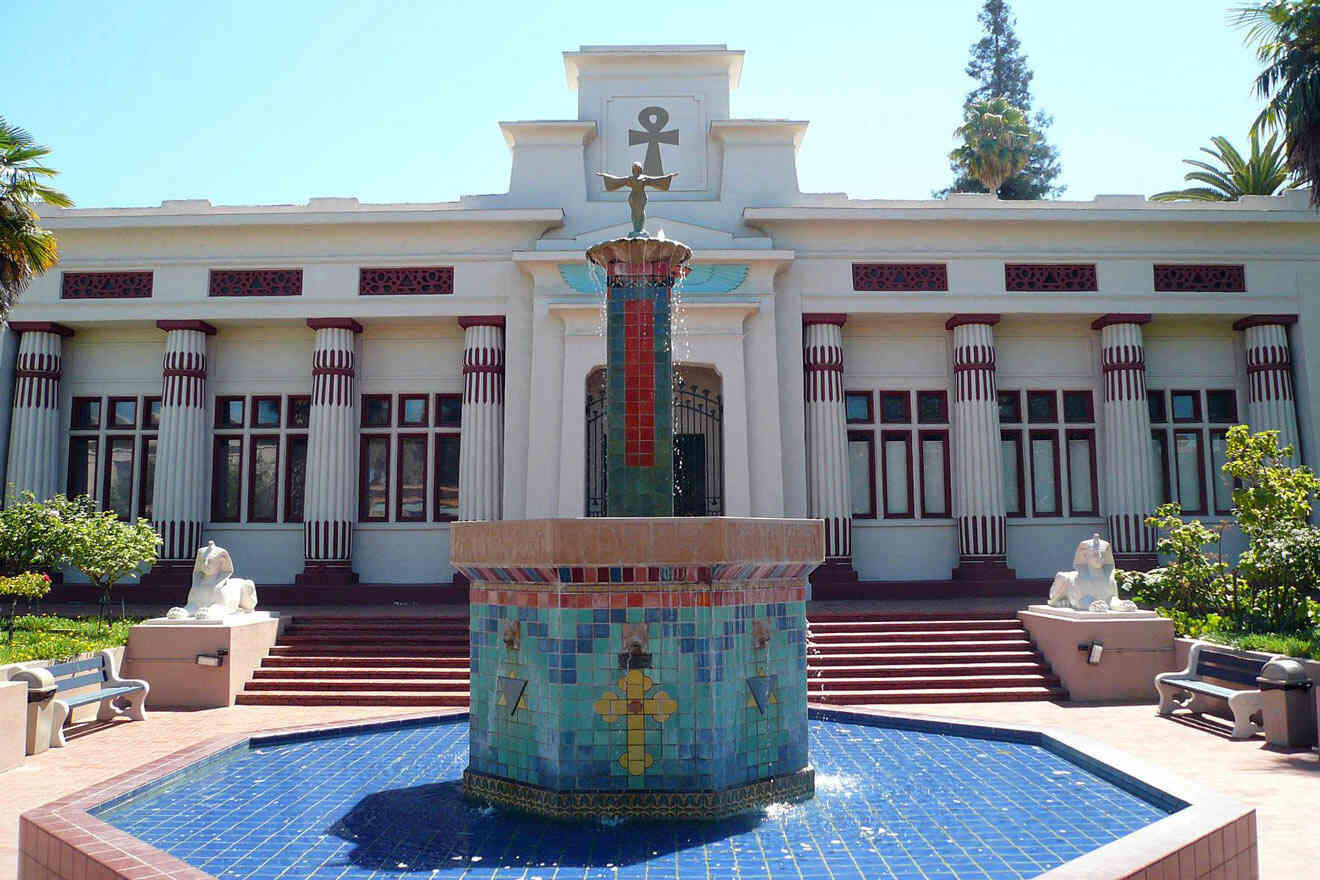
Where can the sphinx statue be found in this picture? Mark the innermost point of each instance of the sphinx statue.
(215, 591)
(1090, 586)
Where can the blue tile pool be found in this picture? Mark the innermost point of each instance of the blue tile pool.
(894, 799)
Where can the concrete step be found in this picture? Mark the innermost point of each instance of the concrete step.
(323, 649)
(459, 674)
(910, 670)
(919, 616)
(933, 635)
(878, 625)
(374, 620)
(342, 685)
(940, 695)
(955, 682)
(911, 646)
(351, 698)
(910, 653)
(459, 643)
(318, 660)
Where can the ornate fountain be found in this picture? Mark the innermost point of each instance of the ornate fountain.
(641, 664)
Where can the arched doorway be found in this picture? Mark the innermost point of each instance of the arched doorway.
(698, 443)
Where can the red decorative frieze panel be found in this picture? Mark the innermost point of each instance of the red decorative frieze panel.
(105, 285)
(256, 282)
(1200, 277)
(900, 276)
(406, 281)
(1049, 276)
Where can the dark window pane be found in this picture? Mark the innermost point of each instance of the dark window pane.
(446, 476)
(1077, 407)
(152, 414)
(1159, 442)
(300, 411)
(448, 410)
(82, 466)
(376, 411)
(266, 412)
(1155, 400)
(119, 475)
(1220, 482)
(147, 482)
(858, 404)
(375, 478)
(262, 494)
(229, 412)
(1010, 453)
(932, 407)
(86, 412)
(412, 411)
(412, 478)
(1188, 470)
(1010, 407)
(227, 479)
(1221, 406)
(1186, 406)
(123, 413)
(894, 407)
(1042, 407)
(860, 476)
(295, 477)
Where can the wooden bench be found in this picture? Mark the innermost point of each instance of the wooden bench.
(100, 671)
(1188, 689)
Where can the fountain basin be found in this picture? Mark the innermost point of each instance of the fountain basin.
(647, 667)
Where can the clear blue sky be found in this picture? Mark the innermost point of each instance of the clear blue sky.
(277, 101)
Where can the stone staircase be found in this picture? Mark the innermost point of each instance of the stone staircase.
(924, 658)
(364, 661)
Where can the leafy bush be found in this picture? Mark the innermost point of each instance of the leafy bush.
(107, 550)
(1190, 583)
(29, 585)
(34, 535)
(57, 638)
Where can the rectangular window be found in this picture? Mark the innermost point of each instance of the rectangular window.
(86, 413)
(374, 475)
(1221, 482)
(265, 412)
(896, 447)
(1045, 473)
(82, 465)
(376, 411)
(1081, 474)
(300, 410)
(934, 473)
(1189, 470)
(861, 473)
(147, 478)
(857, 405)
(1186, 406)
(1159, 443)
(1042, 407)
(1155, 402)
(151, 412)
(412, 410)
(894, 407)
(446, 477)
(227, 480)
(119, 475)
(1221, 407)
(448, 410)
(1078, 406)
(123, 412)
(263, 483)
(1010, 454)
(412, 477)
(1010, 407)
(295, 477)
(229, 412)
(933, 407)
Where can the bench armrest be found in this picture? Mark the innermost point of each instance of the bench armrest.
(112, 678)
(1193, 657)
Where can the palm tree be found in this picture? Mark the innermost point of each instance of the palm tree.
(26, 249)
(1287, 38)
(1234, 177)
(997, 140)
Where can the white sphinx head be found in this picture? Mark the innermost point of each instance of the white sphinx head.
(1094, 555)
(215, 591)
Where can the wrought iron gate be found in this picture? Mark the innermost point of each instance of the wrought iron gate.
(698, 451)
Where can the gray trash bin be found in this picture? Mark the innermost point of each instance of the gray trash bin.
(41, 693)
(1285, 691)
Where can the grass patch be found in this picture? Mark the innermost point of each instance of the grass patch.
(1303, 644)
(57, 638)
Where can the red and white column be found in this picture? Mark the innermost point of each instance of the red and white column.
(1129, 462)
(827, 432)
(1270, 401)
(180, 503)
(35, 434)
(481, 447)
(978, 479)
(331, 495)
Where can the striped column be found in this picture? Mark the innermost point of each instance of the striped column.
(481, 447)
(331, 493)
(1270, 402)
(1128, 475)
(978, 480)
(180, 504)
(35, 432)
(827, 432)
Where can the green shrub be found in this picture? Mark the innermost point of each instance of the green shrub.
(107, 550)
(58, 638)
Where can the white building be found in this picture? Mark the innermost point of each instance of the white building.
(958, 387)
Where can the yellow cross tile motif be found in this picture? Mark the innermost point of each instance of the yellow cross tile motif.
(634, 706)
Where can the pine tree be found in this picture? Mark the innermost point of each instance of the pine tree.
(999, 68)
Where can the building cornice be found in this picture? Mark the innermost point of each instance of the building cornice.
(200, 326)
(759, 131)
(334, 324)
(315, 213)
(466, 321)
(39, 327)
(1263, 321)
(961, 320)
(1120, 318)
(549, 132)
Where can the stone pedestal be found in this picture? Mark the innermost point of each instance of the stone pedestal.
(1138, 645)
(164, 653)
(13, 723)
(638, 667)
